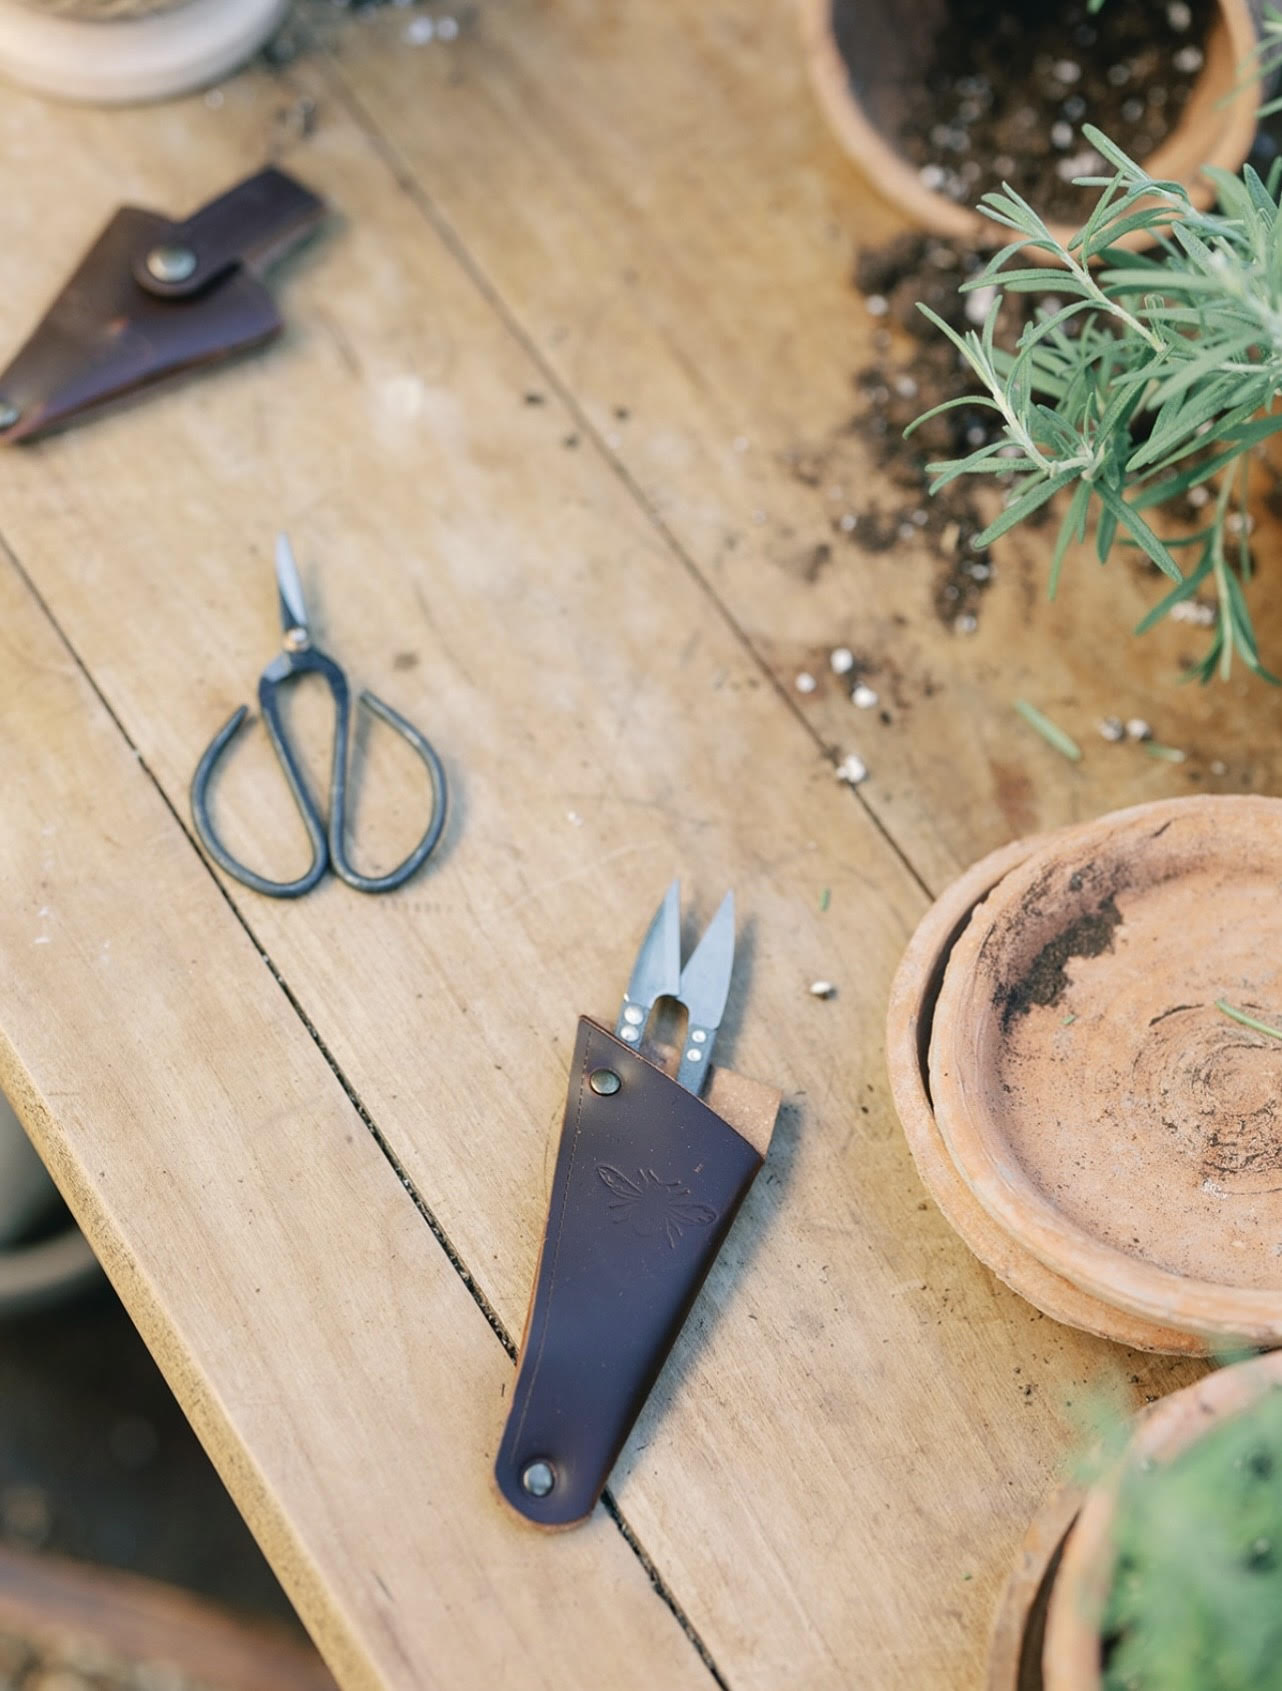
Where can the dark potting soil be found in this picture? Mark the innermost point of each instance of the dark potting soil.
(1010, 83)
(908, 380)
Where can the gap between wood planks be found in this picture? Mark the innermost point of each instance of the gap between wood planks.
(405, 179)
(657, 1581)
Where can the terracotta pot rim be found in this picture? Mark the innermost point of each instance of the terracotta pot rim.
(34, 1275)
(1071, 1659)
(1222, 1314)
(896, 179)
(911, 991)
(1012, 1644)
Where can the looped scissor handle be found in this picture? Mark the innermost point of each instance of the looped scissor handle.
(280, 670)
(338, 805)
(327, 843)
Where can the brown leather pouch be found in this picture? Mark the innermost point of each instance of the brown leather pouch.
(153, 297)
(648, 1180)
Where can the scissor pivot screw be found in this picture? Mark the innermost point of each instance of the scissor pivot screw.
(538, 1478)
(604, 1082)
(297, 639)
(9, 414)
(171, 264)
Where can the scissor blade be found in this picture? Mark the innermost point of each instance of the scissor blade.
(705, 986)
(293, 607)
(657, 970)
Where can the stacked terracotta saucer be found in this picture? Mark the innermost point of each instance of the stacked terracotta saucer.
(1082, 1096)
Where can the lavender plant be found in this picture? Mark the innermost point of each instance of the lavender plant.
(1145, 376)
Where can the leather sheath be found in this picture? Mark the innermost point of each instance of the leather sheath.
(648, 1180)
(116, 328)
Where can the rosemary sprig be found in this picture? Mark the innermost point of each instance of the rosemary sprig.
(1050, 731)
(1247, 1021)
(1146, 375)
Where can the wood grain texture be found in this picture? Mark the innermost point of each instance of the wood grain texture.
(653, 196)
(326, 1351)
(844, 1451)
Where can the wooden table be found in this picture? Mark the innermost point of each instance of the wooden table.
(535, 428)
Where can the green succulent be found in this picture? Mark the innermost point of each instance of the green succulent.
(1196, 1600)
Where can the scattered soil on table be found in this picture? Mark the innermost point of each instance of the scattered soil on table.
(907, 381)
(1010, 83)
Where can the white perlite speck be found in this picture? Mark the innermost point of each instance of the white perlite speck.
(1195, 612)
(852, 770)
(979, 304)
(1112, 728)
(805, 682)
(1138, 729)
(863, 697)
(822, 989)
(841, 660)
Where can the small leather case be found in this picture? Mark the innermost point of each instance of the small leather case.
(153, 297)
(648, 1180)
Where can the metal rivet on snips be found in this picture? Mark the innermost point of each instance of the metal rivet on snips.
(300, 657)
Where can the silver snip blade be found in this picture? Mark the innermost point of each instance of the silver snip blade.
(705, 986)
(657, 970)
(289, 587)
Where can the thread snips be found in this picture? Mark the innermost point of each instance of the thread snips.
(652, 1167)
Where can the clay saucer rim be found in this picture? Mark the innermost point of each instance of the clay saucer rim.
(909, 1019)
(1220, 1314)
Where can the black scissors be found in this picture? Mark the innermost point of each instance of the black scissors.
(300, 657)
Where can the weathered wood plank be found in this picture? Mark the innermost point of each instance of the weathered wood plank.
(845, 1431)
(652, 194)
(324, 1347)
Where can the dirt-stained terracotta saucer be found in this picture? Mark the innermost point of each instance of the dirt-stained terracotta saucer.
(909, 1023)
(1108, 1116)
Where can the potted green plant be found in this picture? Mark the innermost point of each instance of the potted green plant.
(1171, 1578)
(1143, 382)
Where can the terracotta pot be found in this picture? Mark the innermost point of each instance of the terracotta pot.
(861, 56)
(1071, 1659)
(26, 1191)
(71, 1625)
(1019, 1626)
(909, 1022)
(1105, 1113)
(50, 1267)
(112, 52)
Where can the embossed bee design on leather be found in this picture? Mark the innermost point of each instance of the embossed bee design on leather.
(651, 1206)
